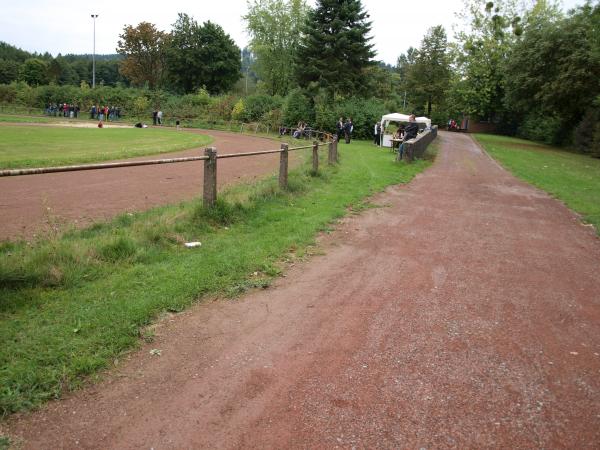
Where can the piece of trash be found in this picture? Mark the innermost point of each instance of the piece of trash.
(574, 353)
(155, 352)
(193, 244)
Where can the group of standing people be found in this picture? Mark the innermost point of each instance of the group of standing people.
(67, 110)
(105, 112)
(344, 129)
(157, 117)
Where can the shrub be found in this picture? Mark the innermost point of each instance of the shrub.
(256, 106)
(8, 93)
(298, 107)
(364, 114)
(542, 128)
(587, 134)
(238, 112)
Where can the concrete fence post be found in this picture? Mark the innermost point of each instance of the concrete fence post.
(210, 177)
(283, 167)
(315, 157)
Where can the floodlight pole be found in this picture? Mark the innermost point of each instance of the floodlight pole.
(94, 16)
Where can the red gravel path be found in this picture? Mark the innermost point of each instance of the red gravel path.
(463, 314)
(35, 203)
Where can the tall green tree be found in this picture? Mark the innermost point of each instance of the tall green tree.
(34, 72)
(555, 68)
(335, 50)
(428, 77)
(275, 29)
(9, 71)
(202, 56)
(143, 48)
(482, 52)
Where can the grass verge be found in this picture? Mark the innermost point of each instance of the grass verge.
(11, 118)
(70, 305)
(573, 178)
(31, 146)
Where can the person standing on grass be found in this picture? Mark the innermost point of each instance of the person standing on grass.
(154, 117)
(159, 116)
(340, 129)
(348, 128)
(377, 133)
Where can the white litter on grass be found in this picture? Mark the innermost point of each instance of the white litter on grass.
(155, 352)
(193, 244)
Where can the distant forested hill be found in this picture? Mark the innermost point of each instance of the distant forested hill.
(42, 68)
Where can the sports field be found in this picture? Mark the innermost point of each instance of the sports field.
(43, 146)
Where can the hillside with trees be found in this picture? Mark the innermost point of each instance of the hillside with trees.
(530, 71)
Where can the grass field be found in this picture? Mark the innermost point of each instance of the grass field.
(570, 177)
(71, 305)
(32, 146)
(11, 118)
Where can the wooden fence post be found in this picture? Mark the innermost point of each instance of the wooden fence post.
(330, 155)
(335, 149)
(210, 177)
(283, 167)
(315, 157)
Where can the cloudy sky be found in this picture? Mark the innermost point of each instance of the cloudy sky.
(65, 26)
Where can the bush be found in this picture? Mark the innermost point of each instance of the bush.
(256, 106)
(587, 134)
(239, 111)
(8, 93)
(298, 107)
(364, 114)
(543, 128)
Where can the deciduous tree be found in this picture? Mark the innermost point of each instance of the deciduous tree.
(34, 72)
(275, 28)
(202, 56)
(143, 48)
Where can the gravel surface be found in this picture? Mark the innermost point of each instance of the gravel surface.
(463, 313)
(35, 204)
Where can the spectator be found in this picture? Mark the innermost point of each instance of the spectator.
(348, 128)
(340, 129)
(377, 133)
(410, 132)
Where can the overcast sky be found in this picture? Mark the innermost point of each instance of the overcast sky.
(65, 26)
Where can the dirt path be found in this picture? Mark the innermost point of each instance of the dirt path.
(465, 313)
(33, 204)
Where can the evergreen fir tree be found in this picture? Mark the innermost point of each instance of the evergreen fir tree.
(335, 48)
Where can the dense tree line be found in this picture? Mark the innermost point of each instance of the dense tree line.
(38, 69)
(532, 72)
